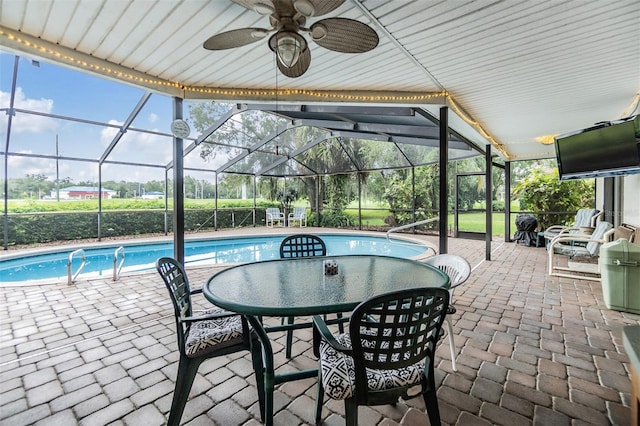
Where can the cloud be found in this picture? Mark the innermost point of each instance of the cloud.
(153, 117)
(19, 167)
(28, 123)
(108, 133)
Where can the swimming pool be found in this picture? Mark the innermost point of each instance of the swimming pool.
(52, 267)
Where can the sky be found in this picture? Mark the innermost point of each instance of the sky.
(53, 89)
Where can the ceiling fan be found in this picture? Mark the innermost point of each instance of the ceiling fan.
(288, 18)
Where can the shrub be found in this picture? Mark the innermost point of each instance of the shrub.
(543, 191)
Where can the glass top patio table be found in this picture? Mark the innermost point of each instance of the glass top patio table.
(299, 287)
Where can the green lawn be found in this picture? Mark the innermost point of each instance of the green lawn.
(472, 221)
(372, 213)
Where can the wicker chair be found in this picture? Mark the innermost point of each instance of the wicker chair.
(458, 270)
(389, 349)
(214, 333)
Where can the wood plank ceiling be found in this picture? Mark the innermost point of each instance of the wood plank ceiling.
(512, 71)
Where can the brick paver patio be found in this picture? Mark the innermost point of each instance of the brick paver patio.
(531, 350)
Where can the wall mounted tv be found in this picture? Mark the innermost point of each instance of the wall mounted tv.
(606, 149)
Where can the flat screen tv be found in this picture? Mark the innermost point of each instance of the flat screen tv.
(607, 149)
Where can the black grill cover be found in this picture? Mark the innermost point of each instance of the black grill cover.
(526, 230)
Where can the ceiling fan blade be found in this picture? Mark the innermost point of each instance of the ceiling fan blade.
(235, 38)
(316, 7)
(299, 68)
(344, 35)
(263, 7)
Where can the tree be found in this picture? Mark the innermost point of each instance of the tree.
(473, 189)
(402, 198)
(286, 198)
(543, 192)
(31, 186)
(242, 130)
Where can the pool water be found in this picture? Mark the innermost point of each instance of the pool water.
(140, 257)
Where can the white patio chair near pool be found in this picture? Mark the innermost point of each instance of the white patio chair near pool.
(274, 216)
(299, 215)
(458, 270)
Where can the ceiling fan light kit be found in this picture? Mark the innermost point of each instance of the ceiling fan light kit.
(287, 19)
(288, 46)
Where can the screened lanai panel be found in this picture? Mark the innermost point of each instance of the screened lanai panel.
(63, 91)
(244, 129)
(37, 134)
(35, 178)
(331, 156)
(419, 155)
(278, 146)
(139, 147)
(382, 155)
(458, 154)
(265, 162)
(290, 168)
(150, 179)
(154, 115)
(48, 170)
(201, 158)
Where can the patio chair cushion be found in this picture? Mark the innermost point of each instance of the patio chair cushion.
(583, 217)
(209, 335)
(591, 248)
(339, 377)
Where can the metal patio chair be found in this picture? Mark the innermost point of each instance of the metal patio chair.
(273, 215)
(213, 333)
(389, 349)
(576, 247)
(585, 218)
(458, 270)
(301, 245)
(299, 214)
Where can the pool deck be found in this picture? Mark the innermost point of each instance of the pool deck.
(532, 349)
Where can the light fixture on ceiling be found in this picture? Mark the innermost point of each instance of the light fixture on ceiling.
(546, 139)
(287, 19)
(288, 45)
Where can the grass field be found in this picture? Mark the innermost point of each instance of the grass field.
(473, 221)
(372, 213)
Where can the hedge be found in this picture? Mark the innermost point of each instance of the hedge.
(43, 227)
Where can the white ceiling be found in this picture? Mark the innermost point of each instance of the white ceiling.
(509, 70)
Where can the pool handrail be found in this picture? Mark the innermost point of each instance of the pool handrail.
(117, 267)
(413, 225)
(71, 278)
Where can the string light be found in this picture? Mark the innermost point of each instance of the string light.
(632, 107)
(106, 70)
(295, 94)
(316, 94)
(500, 147)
